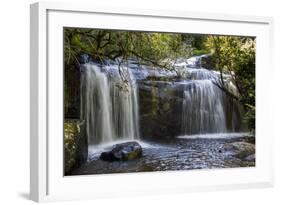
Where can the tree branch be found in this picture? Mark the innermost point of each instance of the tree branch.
(225, 90)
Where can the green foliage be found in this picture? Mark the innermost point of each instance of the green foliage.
(196, 41)
(73, 46)
(236, 56)
(66, 97)
(197, 52)
(148, 48)
(250, 116)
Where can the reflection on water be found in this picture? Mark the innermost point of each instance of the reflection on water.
(170, 154)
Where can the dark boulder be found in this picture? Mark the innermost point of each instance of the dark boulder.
(108, 156)
(123, 152)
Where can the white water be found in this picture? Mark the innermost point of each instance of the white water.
(109, 107)
(217, 136)
(205, 108)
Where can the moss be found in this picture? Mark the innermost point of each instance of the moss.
(74, 145)
(159, 111)
(154, 102)
(158, 78)
(133, 155)
(166, 107)
(196, 52)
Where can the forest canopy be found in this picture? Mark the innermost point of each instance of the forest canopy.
(232, 55)
(149, 48)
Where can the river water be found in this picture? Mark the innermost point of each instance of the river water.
(183, 153)
(111, 112)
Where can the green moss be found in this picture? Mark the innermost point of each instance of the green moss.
(197, 52)
(154, 102)
(71, 140)
(158, 78)
(133, 155)
(166, 107)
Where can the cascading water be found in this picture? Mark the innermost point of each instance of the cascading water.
(108, 105)
(203, 110)
(125, 111)
(199, 115)
(206, 108)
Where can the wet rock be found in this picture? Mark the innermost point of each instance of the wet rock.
(208, 62)
(251, 158)
(75, 144)
(160, 105)
(241, 150)
(108, 156)
(85, 58)
(123, 152)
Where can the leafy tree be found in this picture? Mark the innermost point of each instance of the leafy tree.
(236, 56)
(146, 47)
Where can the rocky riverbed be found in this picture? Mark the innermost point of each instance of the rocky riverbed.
(183, 153)
(151, 104)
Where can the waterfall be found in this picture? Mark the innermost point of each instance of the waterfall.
(109, 106)
(206, 108)
(203, 109)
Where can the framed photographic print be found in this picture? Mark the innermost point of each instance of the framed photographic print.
(123, 97)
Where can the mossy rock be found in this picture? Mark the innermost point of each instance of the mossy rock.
(123, 152)
(160, 107)
(75, 145)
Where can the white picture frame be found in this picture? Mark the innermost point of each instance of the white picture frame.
(47, 182)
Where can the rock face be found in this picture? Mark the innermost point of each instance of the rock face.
(167, 109)
(208, 62)
(75, 145)
(160, 105)
(122, 152)
(242, 150)
(72, 92)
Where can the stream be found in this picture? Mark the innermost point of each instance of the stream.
(180, 124)
(183, 153)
